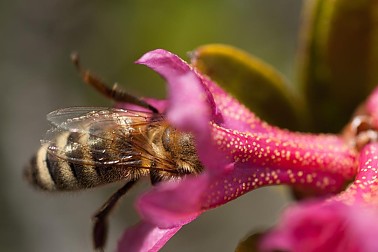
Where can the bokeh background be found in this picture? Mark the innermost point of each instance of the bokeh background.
(36, 77)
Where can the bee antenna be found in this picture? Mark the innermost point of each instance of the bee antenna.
(117, 94)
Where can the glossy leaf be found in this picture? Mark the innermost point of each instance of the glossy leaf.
(253, 82)
(338, 58)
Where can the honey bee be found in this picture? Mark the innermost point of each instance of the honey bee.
(90, 146)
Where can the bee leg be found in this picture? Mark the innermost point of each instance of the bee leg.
(100, 228)
(115, 93)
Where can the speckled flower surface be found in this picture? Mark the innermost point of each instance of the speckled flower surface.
(346, 222)
(239, 151)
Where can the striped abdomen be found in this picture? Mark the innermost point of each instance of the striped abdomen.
(82, 160)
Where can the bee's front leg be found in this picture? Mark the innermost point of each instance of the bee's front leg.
(100, 219)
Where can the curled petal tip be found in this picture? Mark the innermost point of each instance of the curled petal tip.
(153, 55)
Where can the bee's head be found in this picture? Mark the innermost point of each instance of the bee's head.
(181, 145)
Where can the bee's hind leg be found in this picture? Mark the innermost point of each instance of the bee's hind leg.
(100, 219)
(115, 93)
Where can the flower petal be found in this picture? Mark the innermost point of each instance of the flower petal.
(173, 203)
(330, 227)
(364, 189)
(183, 87)
(312, 227)
(145, 237)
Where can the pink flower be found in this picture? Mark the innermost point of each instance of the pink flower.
(347, 222)
(239, 151)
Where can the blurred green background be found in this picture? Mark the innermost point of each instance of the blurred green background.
(36, 77)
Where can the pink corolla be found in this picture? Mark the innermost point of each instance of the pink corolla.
(239, 151)
(346, 222)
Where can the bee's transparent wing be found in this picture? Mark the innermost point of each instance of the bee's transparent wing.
(103, 137)
(60, 116)
(75, 118)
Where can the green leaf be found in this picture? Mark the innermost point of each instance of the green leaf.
(338, 58)
(253, 82)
